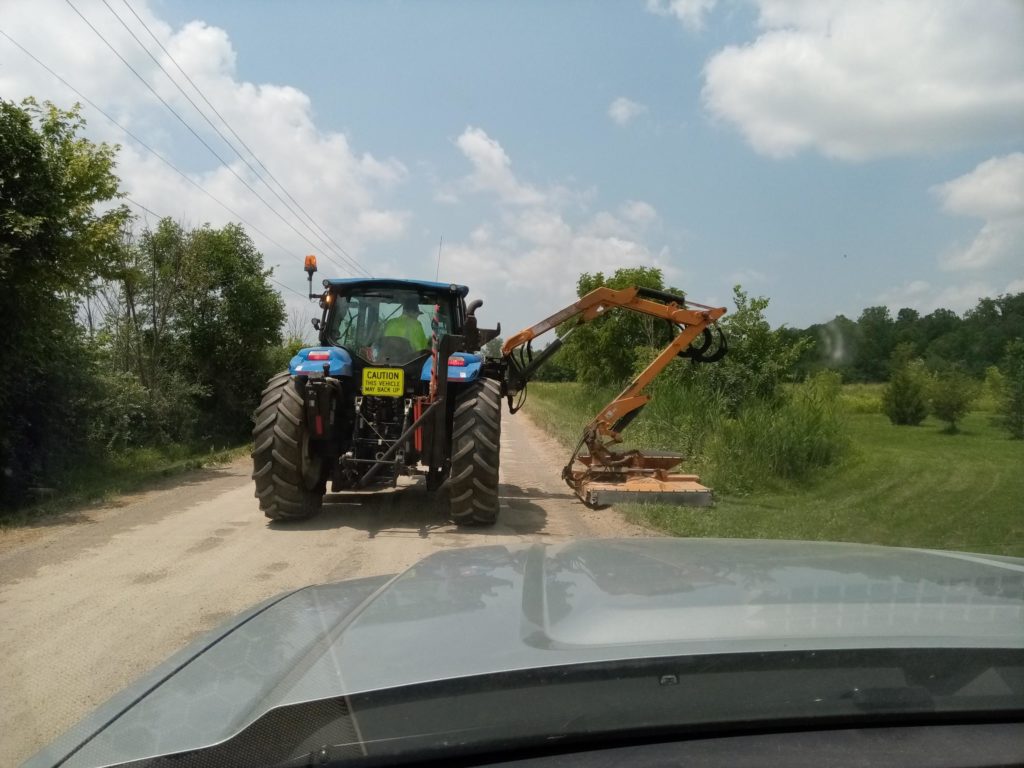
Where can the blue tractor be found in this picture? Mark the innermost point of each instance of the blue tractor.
(397, 386)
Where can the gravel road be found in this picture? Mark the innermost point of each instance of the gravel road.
(92, 600)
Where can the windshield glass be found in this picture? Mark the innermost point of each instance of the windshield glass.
(383, 322)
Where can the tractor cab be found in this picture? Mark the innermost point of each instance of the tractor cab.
(390, 322)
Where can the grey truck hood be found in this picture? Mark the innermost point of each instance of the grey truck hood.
(476, 611)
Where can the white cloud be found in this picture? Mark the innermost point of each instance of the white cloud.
(639, 212)
(492, 169)
(746, 276)
(993, 192)
(345, 190)
(855, 80)
(525, 262)
(623, 110)
(690, 12)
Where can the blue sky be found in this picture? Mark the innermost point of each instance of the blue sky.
(827, 155)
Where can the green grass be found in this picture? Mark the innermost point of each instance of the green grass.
(904, 486)
(862, 398)
(121, 473)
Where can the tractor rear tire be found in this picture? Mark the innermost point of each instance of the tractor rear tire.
(476, 446)
(289, 478)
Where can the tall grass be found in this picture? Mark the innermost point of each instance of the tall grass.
(862, 398)
(788, 439)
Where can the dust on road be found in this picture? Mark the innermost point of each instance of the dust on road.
(91, 601)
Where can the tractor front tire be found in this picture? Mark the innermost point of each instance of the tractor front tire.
(476, 445)
(289, 478)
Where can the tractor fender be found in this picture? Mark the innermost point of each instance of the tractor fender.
(470, 371)
(339, 360)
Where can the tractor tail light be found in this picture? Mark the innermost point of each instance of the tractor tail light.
(319, 354)
(456, 362)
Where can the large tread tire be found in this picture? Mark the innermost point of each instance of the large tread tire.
(279, 444)
(476, 447)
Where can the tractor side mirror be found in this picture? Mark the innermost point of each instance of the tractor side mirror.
(316, 323)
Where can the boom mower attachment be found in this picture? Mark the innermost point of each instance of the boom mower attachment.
(601, 475)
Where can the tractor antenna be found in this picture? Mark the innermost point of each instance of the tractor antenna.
(438, 270)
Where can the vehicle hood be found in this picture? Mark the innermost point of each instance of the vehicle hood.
(481, 610)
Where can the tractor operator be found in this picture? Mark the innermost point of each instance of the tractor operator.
(407, 325)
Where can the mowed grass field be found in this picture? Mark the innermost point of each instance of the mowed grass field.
(903, 486)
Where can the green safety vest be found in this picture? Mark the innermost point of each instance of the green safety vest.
(408, 328)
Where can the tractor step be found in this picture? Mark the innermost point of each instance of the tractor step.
(637, 477)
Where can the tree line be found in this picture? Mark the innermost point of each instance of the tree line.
(114, 338)
(863, 350)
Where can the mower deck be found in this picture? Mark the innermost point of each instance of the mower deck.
(636, 477)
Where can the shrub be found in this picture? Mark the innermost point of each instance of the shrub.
(126, 414)
(1011, 398)
(950, 397)
(905, 398)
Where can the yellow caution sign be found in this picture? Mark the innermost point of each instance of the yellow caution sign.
(383, 382)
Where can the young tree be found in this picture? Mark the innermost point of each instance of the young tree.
(1011, 403)
(905, 397)
(950, 397)
(226, 320)
(760, 359)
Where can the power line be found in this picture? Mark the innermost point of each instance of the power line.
(187, 126)
(144, 208)
(323, 243)
(234, 133)
(160, 158)
(147, 147)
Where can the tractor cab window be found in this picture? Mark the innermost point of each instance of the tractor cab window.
(386, 325)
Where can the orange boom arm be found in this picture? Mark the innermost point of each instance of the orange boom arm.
(693, 320)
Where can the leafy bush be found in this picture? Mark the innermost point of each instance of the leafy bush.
(1011, 399)
(950, 397)
(556, 368)
(905, 398)
(128, 414)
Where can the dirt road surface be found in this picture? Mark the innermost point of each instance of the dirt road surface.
(92, 600)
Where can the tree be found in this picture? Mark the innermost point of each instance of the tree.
(877, 334)
(759, 360)
(604, 351)
(950, 397)
(1011, 403)
(192, 316)
(54, 245)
